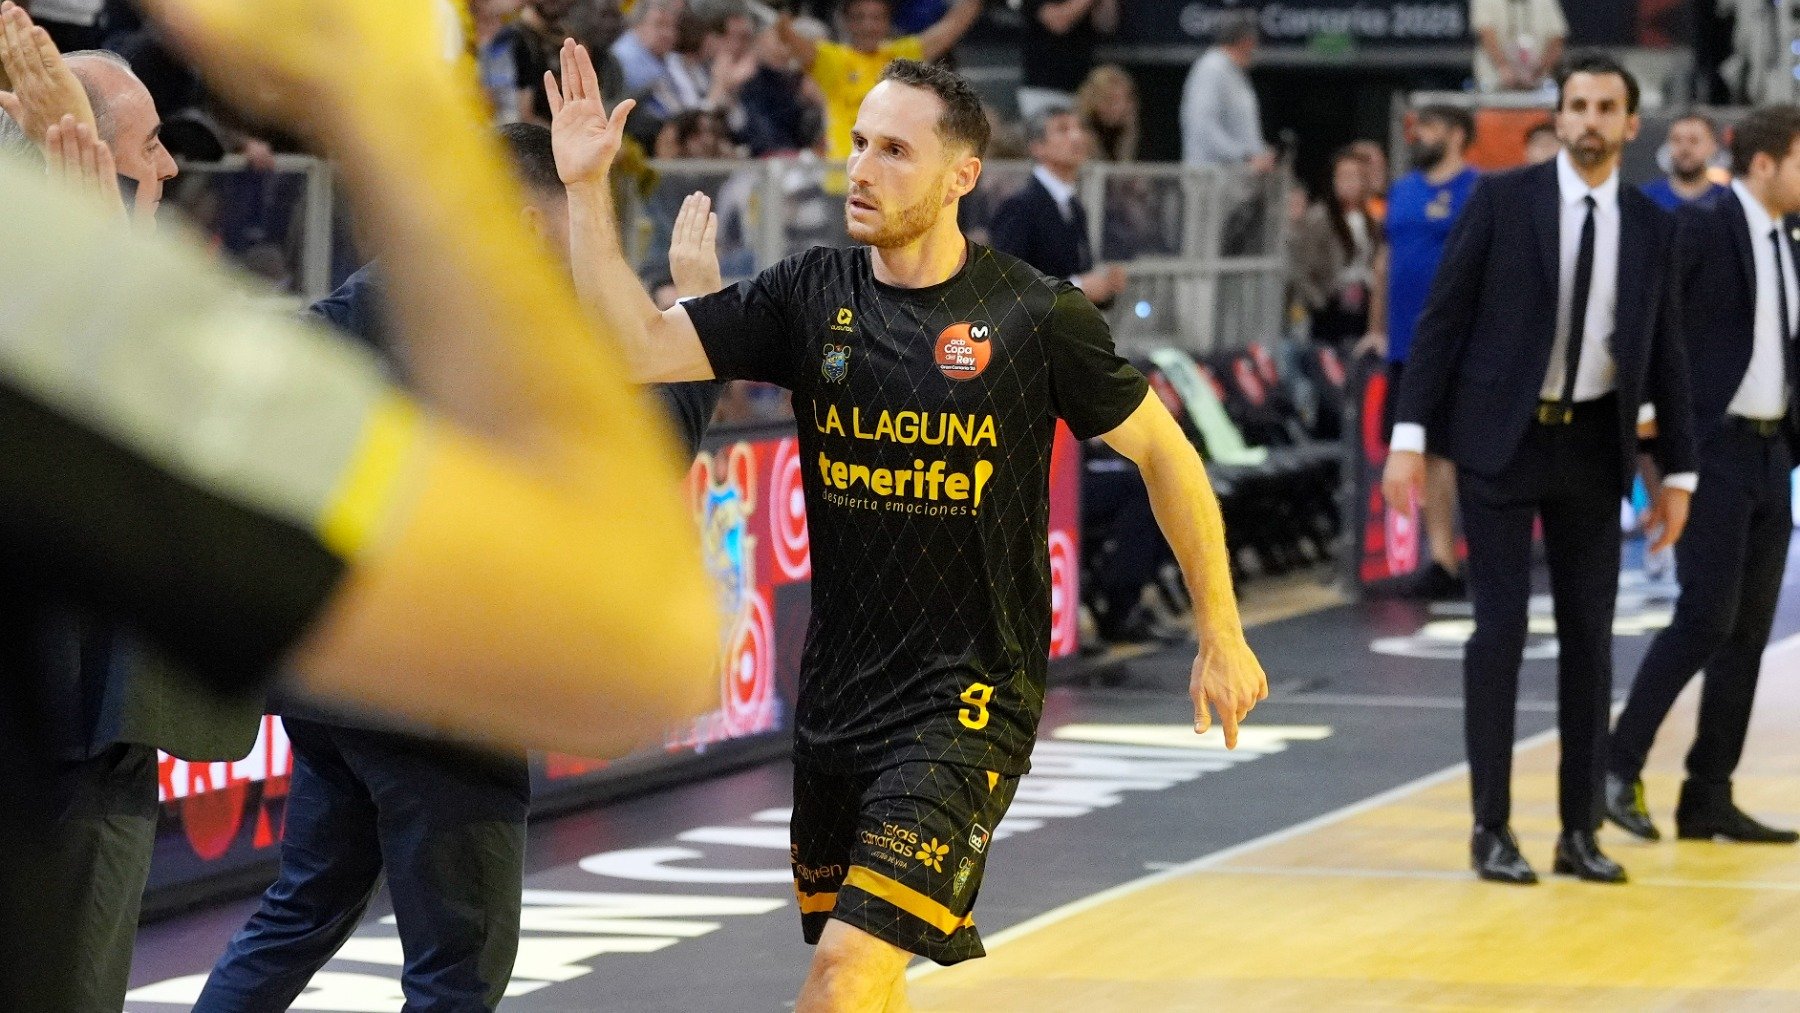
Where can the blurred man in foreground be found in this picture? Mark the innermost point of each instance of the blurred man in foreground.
(513, 560)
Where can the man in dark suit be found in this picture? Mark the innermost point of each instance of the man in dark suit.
(1543, 335)
(1734, 302)
(1044, 224)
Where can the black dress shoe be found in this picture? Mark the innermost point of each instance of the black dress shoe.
(1578, 854)
(1497, 858)
(1625, 807)
(1706, 813)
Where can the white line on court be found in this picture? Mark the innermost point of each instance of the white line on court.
(1790, 644)
(1319, 872)
(1448, 703)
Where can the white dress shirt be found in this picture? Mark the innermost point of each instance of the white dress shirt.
(1763, 394)
(1594, 373)
(1060, 192)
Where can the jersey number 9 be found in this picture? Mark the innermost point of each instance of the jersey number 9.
(977, 697)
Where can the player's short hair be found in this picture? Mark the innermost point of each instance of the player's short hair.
(533, 158)
(1455, 117)
(1768, 130)
(1037, 125)
(1599, 64)
(1694, 116)
(963, 121)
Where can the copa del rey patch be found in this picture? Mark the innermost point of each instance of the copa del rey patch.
(963, 350)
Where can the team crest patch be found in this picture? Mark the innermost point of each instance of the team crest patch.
(964, 870)
(837, 362)
(963, 350)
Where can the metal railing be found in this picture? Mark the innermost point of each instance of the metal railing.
(1204, 250)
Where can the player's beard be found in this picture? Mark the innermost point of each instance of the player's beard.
(904, 226)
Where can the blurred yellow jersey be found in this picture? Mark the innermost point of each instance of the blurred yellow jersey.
(845, 76)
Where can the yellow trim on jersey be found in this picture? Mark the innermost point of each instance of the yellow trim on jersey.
(993, 779)
(907, 899)
(365, 493)
(815, 903)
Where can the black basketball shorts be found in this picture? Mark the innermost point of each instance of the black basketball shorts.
(897, 853)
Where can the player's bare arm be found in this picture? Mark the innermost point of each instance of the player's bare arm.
(660, 346)
(1226, 677)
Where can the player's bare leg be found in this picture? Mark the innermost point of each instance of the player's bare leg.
(854, 972)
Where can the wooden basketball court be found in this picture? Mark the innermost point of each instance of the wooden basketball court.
(1373, 907)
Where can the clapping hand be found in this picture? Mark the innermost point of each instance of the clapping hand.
(44, 89)
(693, 248)
(73, 152)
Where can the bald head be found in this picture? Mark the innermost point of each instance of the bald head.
(104, 76)
(126, 119)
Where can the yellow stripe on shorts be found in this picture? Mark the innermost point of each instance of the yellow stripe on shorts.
(907, 899)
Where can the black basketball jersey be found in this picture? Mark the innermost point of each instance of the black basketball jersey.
(926, 418)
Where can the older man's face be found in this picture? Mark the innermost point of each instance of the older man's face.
(136, 131)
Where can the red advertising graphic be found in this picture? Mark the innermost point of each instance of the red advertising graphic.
(1390, 542)
(1065, 541)
(748, 500)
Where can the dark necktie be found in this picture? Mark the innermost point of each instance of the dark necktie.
(1584, 279)
(1078, 220)
(1787, 325)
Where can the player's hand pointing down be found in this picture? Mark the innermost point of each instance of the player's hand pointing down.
(1227, 678)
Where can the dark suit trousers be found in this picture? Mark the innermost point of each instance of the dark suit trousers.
(105, 835)
(445, 823)
(1568, 476)
(1730, 561)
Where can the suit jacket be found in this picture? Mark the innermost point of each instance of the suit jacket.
(1483, 343)
(1714, 303)
(1031, 227)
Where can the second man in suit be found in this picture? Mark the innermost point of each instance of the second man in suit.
(1542, 336)
(1044, 224)
(1734, 300)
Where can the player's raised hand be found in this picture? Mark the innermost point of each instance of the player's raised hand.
(44, 89)
(694, 248)
(584, 138)
(75, 154)
(1228, 679)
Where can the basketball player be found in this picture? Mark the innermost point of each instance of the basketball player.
(929, 374)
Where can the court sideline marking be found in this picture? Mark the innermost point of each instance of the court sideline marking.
(1208, 861)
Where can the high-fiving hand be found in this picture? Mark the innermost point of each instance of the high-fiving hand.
(44, 89)
(73, 153)
(693, 248)
(1228, 679)
(584, 138)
